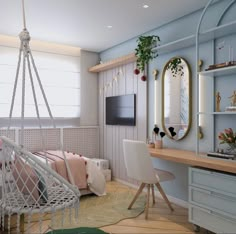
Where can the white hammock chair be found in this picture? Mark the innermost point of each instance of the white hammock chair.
(30, 186)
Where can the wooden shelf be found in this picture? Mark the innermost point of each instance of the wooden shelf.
(114, 63)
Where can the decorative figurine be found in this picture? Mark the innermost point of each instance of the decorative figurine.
(218, 99)
(233, 99)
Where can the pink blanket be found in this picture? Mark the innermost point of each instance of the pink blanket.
(76, 164)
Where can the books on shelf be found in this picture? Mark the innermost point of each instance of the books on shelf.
(230, 108)
(221, 155)
(221, 65)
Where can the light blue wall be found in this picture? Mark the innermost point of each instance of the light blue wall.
(182, 27)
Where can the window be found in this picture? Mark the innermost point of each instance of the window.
(60, 77)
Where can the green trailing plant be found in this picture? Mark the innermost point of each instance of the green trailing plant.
(176, 67)
(144, 51)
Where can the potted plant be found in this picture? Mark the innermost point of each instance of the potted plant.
(228, 137)
(176, 67)
(144, 53)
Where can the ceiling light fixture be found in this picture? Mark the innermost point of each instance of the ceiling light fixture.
(145, 6)
(109, 26)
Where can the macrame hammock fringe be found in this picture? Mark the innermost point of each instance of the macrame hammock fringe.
(30, 186)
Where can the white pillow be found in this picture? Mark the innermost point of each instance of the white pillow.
(96, 180)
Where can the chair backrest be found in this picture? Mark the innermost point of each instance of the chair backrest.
(138, 161)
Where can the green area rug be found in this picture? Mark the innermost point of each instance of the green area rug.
(81, 230)
(101, 211)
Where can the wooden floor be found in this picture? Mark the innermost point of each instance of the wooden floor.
(160, 220)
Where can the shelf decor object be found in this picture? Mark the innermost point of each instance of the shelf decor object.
(221, 65)
(218, 99)
(228, 137)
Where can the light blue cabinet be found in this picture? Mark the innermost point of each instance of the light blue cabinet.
(212, 200)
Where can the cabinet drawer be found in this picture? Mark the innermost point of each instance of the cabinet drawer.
(214, 201)
(212, 221)
(214, 181)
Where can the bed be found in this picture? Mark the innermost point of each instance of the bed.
(86, 175)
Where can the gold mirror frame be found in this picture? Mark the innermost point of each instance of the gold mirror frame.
(183, 128)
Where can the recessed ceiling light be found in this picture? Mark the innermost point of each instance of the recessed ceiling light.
(145, 6)
(109, 26)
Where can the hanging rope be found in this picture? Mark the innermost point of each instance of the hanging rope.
(14, 89)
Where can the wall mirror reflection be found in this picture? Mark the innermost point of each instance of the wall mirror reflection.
(176, 98)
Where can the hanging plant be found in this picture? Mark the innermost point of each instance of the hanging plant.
(176, 67)
(144, 52)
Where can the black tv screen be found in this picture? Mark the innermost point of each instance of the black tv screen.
(120, 110)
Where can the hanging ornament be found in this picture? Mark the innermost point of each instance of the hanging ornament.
(143, 78)
(136, 71)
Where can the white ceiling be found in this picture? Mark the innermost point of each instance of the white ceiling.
(83, 22)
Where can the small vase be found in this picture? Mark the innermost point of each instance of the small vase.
(158, 144)
(232, 148)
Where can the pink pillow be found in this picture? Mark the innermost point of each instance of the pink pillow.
(26, 179)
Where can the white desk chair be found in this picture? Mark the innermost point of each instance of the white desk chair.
(139, 167)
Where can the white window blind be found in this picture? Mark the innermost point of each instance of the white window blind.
(60, 77)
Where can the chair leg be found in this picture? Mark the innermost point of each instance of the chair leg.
(153, 194)
(147, 201)
(164, 196)
(136, 195)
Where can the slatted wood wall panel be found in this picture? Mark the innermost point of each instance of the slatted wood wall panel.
(110, 137)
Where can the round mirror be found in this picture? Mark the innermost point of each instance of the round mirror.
(176, 98)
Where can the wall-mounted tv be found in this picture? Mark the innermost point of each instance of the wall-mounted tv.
(121, 110)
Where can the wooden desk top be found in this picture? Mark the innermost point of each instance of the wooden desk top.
(191, 158)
